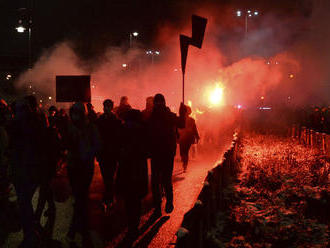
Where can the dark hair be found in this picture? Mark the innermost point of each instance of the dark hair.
(159, 99)
(108, 102)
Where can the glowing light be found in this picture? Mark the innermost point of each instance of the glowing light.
(256, 13)
(8, 77)
(20, 29)
(189, 103)
(30, 86)
(262, 98)
(40, 100)
(291, 76)
(135, 34)
(50, 98)
(124, 65)
(199, 111)
(250, 15)
(239, 106)
(157, 52)
(93, 86)
(238, 13)
(249, 11)
(216, 95)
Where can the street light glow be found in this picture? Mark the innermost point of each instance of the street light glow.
(20, 29)
(249, 11)
(50, 98)
(239, 13)
(124, 65)
(256, 13)
(157, 52)
(135, 34)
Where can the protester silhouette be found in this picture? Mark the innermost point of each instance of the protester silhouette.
(83, 143)
(132, 176)
(187, 136)
(162, 126)
(109, 127)
(123, 107)
(146, 113)
(27, 139)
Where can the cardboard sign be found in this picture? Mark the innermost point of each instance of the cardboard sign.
(73, 88)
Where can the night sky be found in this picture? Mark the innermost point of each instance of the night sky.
(95, 24)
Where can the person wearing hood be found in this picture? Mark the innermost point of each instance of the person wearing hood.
(162, 133)
(109, 127)
(27, 134)
(132, 175)
(82, 143)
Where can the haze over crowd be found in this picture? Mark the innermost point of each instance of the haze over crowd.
(283, 58)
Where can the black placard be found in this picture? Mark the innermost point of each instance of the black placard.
(73, 88)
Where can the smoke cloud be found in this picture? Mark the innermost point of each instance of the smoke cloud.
(277, 59)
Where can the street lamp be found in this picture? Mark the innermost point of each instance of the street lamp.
(247, 14)
(131, 35)
(21, 29)
(152, 54)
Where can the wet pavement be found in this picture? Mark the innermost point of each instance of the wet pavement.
(108, 230)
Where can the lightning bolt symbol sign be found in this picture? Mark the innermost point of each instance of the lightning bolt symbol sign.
(198, 31)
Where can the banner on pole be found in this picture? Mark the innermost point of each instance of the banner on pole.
(196, 39)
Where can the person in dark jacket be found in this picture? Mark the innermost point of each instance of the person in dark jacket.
(146, 113)
(123, 107)
(109, 127)
(162, 126)
(48, 171)
(91, 114)
(27, 140)
(187, 136)
(132, 176)
(82, 143)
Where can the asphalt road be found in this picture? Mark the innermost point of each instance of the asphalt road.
(109, 230)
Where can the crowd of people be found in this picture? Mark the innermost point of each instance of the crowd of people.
(33, 145)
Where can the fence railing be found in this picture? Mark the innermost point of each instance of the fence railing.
(311, 138)
(198, 220)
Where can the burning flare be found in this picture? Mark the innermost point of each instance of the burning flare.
(216, 95)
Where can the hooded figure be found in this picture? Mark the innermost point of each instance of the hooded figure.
(162, 126)
(187, 136)
(27, 134)
(132, 175)
(82, 144)
(109, 127)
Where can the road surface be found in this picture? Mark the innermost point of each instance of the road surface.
(109, 230)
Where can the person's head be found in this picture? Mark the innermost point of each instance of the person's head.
(159, 100)
(124, 100)
(52, 110)
(107, 106)
(78, 113)
(149, 102)
(32, 102)
(90, 107)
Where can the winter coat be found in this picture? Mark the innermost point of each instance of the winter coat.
(109, 127)
(132, 175)
(162, 134)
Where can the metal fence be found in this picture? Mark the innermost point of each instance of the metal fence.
(198, 220)
(311, 138)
